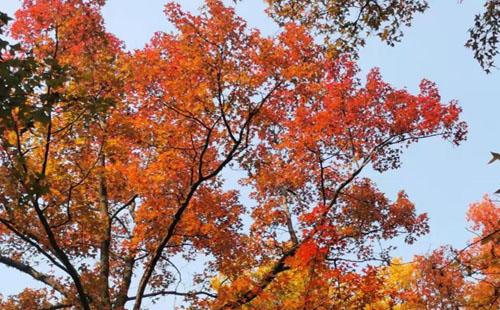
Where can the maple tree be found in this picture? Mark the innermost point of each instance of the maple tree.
(346, 25)
(450, 278)
(484, 35)
(465, 278)
(447, 278)
(114, 164)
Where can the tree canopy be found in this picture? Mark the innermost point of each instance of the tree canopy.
(114, 169)
(346, 25)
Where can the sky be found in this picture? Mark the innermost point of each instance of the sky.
(440, 178)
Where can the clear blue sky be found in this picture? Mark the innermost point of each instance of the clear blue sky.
(441, 179)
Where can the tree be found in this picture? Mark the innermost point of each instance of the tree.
(484, 35)
(346, 24)
(465, 278)
(447, 278)
(113, 163)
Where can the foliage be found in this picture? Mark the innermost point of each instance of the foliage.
(465, 278)
(444, 279)
(114, 164)
(484, 35)
(346, 24)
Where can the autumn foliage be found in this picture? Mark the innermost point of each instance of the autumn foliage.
(118, 165)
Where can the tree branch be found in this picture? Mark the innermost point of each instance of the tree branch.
(186, 294)
(42, 277)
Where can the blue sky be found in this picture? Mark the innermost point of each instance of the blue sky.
(440, 178)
